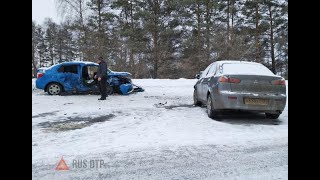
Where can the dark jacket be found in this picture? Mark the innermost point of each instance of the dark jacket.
(102, 69)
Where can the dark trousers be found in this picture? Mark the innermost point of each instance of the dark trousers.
(103, 87)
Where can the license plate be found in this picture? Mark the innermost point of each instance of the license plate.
(256, 101)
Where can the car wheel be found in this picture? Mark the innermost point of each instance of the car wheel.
(109, 90)
(212, 113)
(54, 89)
(272, 116)
(196, 102)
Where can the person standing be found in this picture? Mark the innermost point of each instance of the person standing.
(102, 78)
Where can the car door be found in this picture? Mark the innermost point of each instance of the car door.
(202, 83)
(60, 76)
(87, 80)
(210, 78)
(69, 76)
(205, 81)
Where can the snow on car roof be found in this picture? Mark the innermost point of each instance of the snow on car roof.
(236, 61)
(243, 68)
(73, 62)
(82, 62)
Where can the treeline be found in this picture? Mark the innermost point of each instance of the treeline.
(165, 38)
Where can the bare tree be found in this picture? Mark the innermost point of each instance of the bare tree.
(34, 49)
(76, 9)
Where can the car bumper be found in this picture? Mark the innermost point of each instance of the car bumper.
(40, 84)
(229, 100)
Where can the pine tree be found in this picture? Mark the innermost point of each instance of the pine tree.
(51, 33)
(99, 23)
(275, 18)
(41, 46)
(253, 12)
(158, 27)
(165, 38)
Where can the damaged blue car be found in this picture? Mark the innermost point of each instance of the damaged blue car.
(78, 77)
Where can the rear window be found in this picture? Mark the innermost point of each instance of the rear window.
(42, 70)
(246, 69)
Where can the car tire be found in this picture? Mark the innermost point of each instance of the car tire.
(212, 113)
(54, 89)
(272, 116)
(196, 102)
(109, 90)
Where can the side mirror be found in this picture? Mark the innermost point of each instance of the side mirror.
(198, 75)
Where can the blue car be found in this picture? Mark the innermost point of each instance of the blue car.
(78, 77)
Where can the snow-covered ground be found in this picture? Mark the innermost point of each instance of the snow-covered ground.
(156, 134)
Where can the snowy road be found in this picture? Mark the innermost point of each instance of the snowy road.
(156, 134)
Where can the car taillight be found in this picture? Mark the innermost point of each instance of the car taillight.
(39, 75)
(279, 82)
(234, 80)
(229, 80)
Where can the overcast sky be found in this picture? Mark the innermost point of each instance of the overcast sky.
(42, 9)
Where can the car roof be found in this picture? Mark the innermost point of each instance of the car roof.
(79, 62)
(236, 62)
(259, 69)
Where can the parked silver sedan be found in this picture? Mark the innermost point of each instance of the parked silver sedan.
(240, 85)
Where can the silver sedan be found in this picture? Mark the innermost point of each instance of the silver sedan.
(240, 85)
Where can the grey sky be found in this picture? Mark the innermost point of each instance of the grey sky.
(42, 9)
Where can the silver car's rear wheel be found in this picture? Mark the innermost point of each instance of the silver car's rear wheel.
(210, 109)
(54, 89)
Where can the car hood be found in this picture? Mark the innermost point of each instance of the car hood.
(114, 73)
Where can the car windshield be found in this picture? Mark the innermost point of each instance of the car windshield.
(246, 69)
